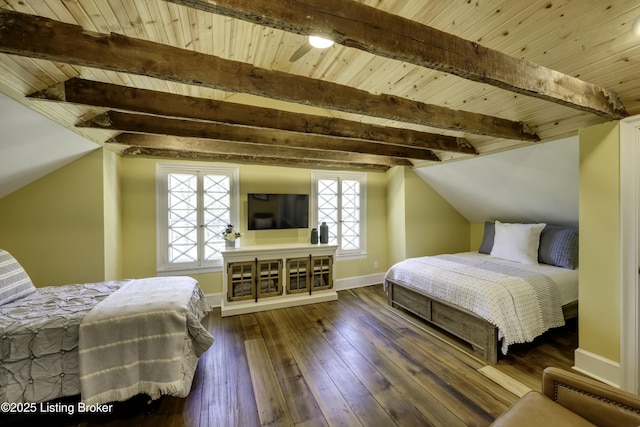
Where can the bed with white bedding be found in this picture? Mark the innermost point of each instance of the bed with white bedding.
(40, 337)
(492, 298)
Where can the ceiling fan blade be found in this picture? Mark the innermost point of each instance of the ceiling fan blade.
(302, 51)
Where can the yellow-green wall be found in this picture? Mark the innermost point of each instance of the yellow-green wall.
(113, 268)
(138, 198)
(475, 237)
(55, 225)
(421, 222)
(396, 230)
(599, 274)
(433, 226)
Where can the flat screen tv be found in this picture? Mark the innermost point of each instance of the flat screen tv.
(277, 211)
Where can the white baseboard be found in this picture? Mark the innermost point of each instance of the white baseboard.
(339, 285)
(358, 281)
(214, 299)
(597, 367)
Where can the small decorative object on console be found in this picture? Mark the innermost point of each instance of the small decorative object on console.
(324, 233)
(230, 235)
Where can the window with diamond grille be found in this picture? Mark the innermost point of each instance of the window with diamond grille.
(195, 204)
(339, 201)
(183, 218)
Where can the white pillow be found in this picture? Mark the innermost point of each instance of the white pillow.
(517, 242)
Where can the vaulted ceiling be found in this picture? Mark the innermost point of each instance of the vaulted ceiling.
(408, 82)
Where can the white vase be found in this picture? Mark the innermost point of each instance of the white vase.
(229, 244)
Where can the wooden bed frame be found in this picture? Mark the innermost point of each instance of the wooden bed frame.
(469, 327)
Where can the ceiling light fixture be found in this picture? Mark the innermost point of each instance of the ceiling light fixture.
(319, 42)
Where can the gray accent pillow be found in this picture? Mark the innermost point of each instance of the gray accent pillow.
(487, 238)
(15, 283)
(559, 246)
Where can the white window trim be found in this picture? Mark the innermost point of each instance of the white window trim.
(163, 268)
(360, 177)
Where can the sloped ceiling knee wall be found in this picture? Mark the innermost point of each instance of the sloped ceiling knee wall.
(538, 183)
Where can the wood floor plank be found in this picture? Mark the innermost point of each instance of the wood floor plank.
(196, 405)
(401, 410)
(272, 408)
(377, 350)
(505, 381)
(231, 399)
(376, 346)
(364, 405)
(333, 404)
(302, 405)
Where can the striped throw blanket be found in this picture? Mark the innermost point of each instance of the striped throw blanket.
(141, 339)
(521, 303)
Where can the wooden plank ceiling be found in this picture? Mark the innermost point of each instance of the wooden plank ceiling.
(408, 82)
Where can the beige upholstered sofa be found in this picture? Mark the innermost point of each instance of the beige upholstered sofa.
(568, 400)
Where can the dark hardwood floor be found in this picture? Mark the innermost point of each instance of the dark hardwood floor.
(350, 362)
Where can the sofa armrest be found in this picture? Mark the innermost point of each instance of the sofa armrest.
(597, 402)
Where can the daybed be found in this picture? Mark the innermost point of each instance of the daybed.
(572, 400)
(106, 341)
(508, 292)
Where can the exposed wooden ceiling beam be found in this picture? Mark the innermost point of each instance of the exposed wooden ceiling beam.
(108, 95)
(143, 123)
(222, 148)
(247, 159)
(357, 25)
(43, 38)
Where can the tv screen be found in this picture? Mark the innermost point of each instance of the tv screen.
(277, 211)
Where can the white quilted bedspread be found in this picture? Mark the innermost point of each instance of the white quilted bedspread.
(523, 304)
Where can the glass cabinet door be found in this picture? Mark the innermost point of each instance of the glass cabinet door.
(240, 280)
(269, 276)
(298, 275)
(321, 277)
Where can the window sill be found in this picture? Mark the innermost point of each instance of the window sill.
(349, 257)
(188, 270)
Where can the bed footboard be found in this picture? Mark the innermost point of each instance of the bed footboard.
(482, 335)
